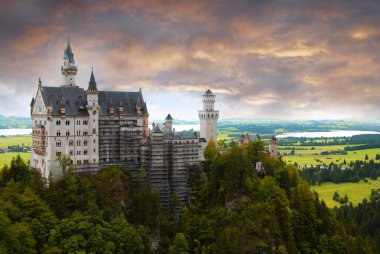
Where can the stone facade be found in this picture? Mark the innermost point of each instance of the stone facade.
(101, 128)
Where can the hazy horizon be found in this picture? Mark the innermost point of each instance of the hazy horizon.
(300, 61)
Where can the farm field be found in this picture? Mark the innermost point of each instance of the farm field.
(15, 140)
(6, 158)
(356, 192)
(314, 157)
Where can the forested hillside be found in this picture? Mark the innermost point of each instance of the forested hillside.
(231, 210)
(14, 122)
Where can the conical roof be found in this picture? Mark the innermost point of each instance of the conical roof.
(169, 117)
(68, 53)
(92, 83)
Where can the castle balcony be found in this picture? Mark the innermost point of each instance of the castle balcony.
(38, 138)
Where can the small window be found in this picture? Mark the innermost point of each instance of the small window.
(58, 153)
(58, 122)
(71, 143)
(58, 133)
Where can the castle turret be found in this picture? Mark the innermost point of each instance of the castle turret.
(208, 117)
(169, 122)
(68, 70)
(93, 112)
(273, 147)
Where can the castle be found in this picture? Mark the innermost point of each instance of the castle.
(101, 128)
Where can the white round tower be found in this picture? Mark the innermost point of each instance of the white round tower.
(208, 117)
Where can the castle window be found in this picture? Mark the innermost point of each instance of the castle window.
(67, 122)
(85, 161)
(94, 150)
(85, 152)
(58, 133)
(85, 122)
(85, 142)
(79, 162)
(78, 152)
(71, 152)
(78, 132)
(85, 133)
(71, 143)
(94, 141)
(78, 122)
(58, 153)
(78, 142)
(58, 122)
(67, 133)
(58, 144)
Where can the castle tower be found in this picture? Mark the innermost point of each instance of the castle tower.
(208, 117)
(68, 70)
(93, 121)
(169, 122)
(273, 147)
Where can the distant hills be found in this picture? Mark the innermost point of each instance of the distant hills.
(15, 122)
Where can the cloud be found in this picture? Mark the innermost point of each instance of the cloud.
(271, 59)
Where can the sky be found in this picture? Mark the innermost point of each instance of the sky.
(288, 60)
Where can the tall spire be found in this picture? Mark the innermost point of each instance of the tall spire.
(92, 83)
(68, 54)
(69, 70)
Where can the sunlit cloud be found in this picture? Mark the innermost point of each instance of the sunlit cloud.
(262, 59)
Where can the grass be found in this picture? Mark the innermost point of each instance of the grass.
(15, 140)
(6, 158)
(309, 157)
(356, 192)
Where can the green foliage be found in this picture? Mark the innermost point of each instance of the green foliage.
(75, 213)
(234, 211)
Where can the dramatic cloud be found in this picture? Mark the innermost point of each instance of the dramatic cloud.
(263, 59)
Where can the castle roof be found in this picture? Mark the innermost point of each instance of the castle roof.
(68, 53)
(169, 117)
(92, 83)
(127, 100)
(157, 129)
(74, 99)
(180, 135)
(208, 91)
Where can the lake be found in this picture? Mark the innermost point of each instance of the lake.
(13, 132)
(325, 134)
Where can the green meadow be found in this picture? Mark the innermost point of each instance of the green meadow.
(6, 141)
(6, 158)
(356, 192)
(313, 157)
